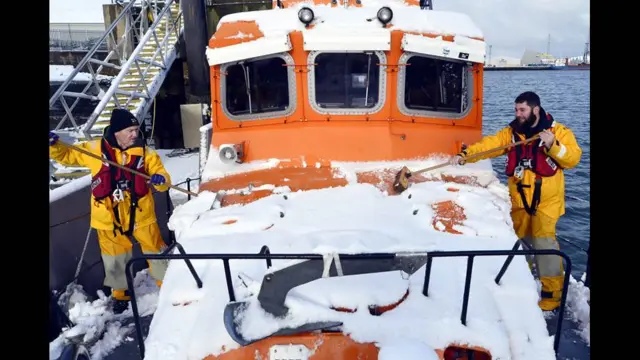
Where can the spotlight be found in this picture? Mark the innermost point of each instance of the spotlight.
(305, 15)
(385, 15)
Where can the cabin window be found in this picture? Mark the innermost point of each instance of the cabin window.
(434, 85)
(255, 87)
(346, 82)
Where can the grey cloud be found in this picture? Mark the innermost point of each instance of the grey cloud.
(511, 26)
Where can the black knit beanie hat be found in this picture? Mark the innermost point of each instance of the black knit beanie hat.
(122, 119)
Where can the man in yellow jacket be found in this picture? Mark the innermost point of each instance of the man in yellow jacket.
(119, 198)
(536, 182)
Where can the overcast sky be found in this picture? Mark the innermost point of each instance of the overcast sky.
(511, 26)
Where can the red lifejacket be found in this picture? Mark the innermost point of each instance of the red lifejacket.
(109, 178)
(530, 156)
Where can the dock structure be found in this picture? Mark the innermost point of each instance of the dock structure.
(518, 68)
(145, 60)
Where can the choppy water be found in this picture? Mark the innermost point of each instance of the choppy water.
(564, 94)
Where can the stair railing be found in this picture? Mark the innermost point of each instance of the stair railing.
(135, 24)
(141, 90)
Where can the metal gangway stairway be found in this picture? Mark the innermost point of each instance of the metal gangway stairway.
(142, 56)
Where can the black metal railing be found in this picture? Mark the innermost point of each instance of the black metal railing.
(169, 212)
(471, 254)
(265, 254)
(587, 252)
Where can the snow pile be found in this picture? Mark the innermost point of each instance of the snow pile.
(357, 218)
(95, 325)
(579, 306)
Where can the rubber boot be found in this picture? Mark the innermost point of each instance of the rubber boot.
(121, 301)
(120, 306)
(551, 292)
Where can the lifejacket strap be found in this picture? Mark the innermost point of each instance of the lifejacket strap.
(535, 201)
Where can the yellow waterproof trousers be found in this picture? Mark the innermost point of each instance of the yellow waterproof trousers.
(117, 249)
(539, 231)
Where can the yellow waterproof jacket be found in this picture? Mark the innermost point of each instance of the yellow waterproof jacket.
(565, 151)
(102, 215)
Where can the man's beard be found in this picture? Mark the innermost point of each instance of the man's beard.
(525, 126)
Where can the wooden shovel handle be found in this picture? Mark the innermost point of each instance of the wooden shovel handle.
(474, 156)
(122, 167)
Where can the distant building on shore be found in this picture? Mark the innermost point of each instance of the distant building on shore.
(503, 61)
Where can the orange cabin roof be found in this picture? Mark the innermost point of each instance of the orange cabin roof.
(297, 97)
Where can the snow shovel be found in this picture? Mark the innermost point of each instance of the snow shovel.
(123, 167)
(401, 182)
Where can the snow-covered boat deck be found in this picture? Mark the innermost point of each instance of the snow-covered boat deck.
(188, 322)
(358, 218)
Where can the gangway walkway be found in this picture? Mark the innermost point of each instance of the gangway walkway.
(142, 55)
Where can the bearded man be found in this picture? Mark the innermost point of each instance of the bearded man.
(536, 183)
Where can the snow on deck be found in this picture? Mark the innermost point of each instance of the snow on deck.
(352, 219)
(506, 319)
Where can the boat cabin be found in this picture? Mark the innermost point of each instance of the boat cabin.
(315, 82)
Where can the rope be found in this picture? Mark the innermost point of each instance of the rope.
(84, 250)
(70, 220)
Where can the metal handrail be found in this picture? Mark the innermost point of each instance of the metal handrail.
(265, 254)
(110, 93)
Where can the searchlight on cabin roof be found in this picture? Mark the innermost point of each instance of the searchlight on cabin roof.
(385, 15)
(306, 16)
